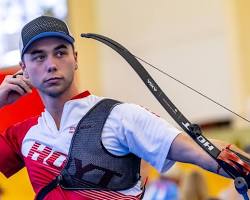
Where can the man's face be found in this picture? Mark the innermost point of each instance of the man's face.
(50, 64)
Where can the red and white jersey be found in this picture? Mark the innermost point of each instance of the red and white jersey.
(39, 145)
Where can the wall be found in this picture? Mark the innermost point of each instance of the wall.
(242, 31)
(190, 40)
(82, 19)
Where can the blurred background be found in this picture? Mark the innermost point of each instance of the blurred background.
(203, 43)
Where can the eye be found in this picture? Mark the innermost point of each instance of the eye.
(60, 53)
(38, 58)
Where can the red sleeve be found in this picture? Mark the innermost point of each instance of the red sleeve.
(11, 160)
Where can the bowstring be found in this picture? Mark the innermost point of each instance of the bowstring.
(189, 87)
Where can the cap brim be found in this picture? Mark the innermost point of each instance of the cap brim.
(45, 35)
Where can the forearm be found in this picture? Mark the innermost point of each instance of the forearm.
(206, 162)
(184, 149)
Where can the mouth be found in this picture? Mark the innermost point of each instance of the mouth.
(52, 80)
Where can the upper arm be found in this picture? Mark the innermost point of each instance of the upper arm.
(10, 160)
(141, 133)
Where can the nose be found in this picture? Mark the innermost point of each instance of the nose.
(51, 64)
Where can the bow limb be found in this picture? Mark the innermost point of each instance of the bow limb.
(182, 121)
(193, 130)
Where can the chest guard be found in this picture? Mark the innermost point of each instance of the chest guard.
(90, 165)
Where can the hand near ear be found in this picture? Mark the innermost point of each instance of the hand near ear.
(13, 87)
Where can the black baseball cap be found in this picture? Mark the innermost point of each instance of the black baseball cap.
(42, 27)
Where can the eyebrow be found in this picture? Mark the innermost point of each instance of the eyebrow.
(62, 46)
(36, 51)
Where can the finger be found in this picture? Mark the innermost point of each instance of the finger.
(27, 81)
(20, 74)
(17, 73)
(21, 83)
(17, 89)
(24, 83)
(7, 77)
(18, 83)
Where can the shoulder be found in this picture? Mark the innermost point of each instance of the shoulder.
(134, 111)
(24, 125)
(14, 134)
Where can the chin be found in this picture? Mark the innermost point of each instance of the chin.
(54, 92)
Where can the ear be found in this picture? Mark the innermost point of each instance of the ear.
(23, 67)
(76, 60)
(75, 55)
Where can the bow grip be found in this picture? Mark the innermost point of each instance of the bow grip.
(235, 164)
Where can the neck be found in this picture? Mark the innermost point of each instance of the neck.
(55, 105)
